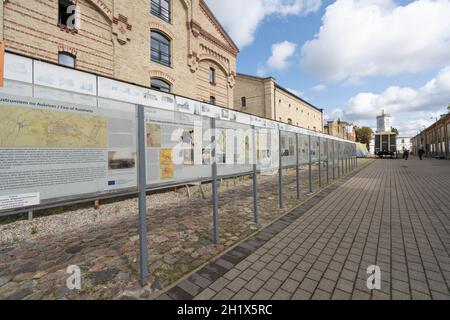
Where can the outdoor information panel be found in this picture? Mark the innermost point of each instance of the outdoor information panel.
(66, 135)
(53, 150)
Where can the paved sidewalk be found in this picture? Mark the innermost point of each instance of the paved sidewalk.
(394, 214)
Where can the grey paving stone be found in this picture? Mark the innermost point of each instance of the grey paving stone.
(272, 285)
(189, 287)
(281, 275)
(232, 274)
(345, 285)
(264, 274)
(327, 285)
(314, 274)
(224, 294)
(308, 285)
(321, 295)
(301, 294)
(219, 284)
(243, 294)
(290, 285)
(236, 284)
(298, 275)
(254, 284)
(207, 294)
(340, 295)
(281, 295)
(262, 295)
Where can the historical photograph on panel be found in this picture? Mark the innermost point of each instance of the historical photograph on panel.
(221, 147)
(188, 141)
(153, 135)
(166, 164)
(121, 160)
(206, 156)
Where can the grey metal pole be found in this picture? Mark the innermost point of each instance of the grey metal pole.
(215, 197)
(310, 165)
(297, 169)
(334, 163)
(328, 161)
(339, 160)
(255, 190)
(347, 160)
(142, 184)
(320, 163)
(280, 171)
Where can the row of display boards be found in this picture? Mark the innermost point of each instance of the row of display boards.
(67, 135)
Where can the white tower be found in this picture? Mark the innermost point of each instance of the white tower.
(384, 123)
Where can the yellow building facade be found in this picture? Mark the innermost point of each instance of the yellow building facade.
(171, 45)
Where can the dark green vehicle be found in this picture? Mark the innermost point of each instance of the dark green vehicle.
(386, 144)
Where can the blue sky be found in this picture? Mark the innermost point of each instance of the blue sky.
(351, 57)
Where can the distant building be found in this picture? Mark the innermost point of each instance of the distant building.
(372, 146)
(434, 140)
(404, 143)
(384, 123)
(341, 129)
(263, 97)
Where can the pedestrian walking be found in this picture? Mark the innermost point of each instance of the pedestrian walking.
(406, 154)
(421, 152)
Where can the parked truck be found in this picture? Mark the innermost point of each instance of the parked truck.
(386, 144)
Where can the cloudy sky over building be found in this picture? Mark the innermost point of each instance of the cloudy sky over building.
(352, 58)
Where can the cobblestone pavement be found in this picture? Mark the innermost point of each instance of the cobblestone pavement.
(107, 251)
(394, 214)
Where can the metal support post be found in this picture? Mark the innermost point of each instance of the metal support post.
(255, 187)
(280, 171)
(142, 183)
(215, 197)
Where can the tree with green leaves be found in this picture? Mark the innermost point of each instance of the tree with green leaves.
(395, 130)
(364, 135)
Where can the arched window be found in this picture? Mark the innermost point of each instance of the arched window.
(160, 48)
(160, 85)
(66, 59)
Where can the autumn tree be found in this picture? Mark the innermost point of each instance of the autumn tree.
(363, 135)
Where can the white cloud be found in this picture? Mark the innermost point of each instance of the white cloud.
(334, 115)
(319, 88)
(281, 52)
(364, 38)
(412, 108)
(242, 18)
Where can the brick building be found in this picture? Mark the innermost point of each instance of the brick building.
(434, 140)
(341, 129)
(172, 45)
(263, 97)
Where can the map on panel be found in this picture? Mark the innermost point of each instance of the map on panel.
(27, 127)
